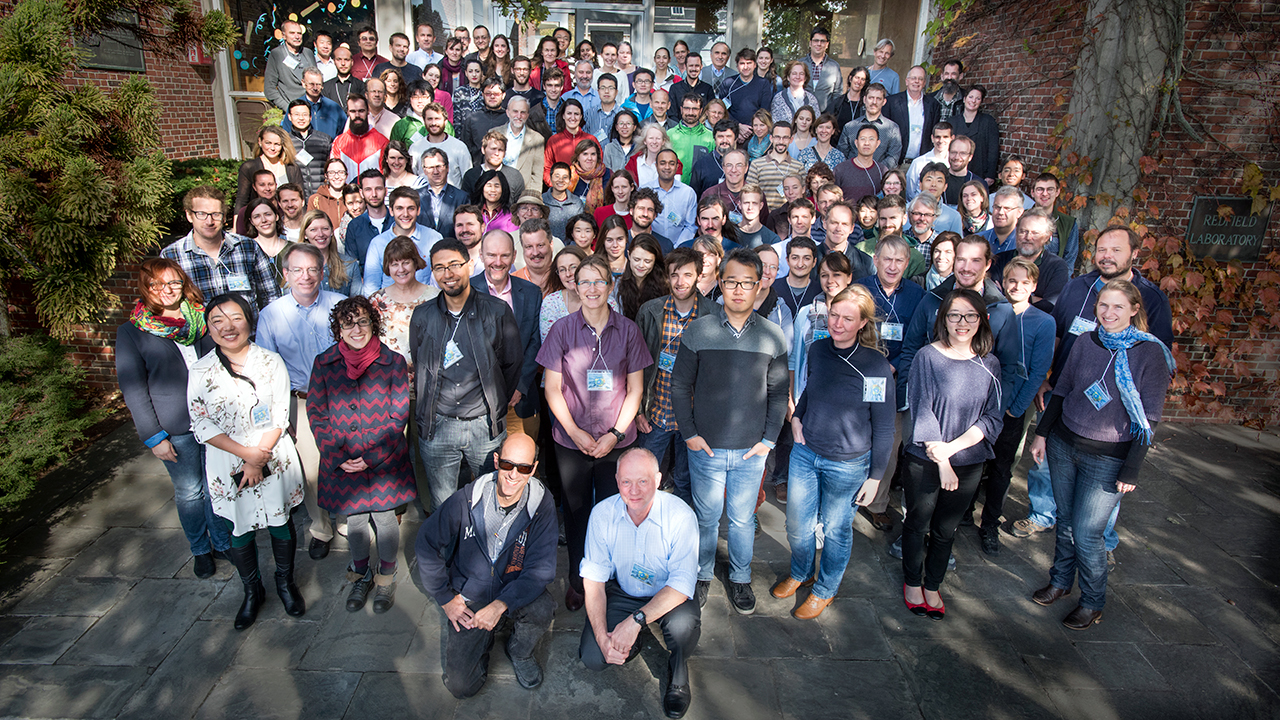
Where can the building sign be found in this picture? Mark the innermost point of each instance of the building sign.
(1222, 228)
(117, 49)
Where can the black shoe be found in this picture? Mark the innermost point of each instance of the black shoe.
(360, 585)
(384, 596)
(1081, 619)
(700, 592)
(318, 549)
(990, 541)
(283, 552)
(246, 562)
(528, 671)
(744, 601)
(676, 702)
(205, 566)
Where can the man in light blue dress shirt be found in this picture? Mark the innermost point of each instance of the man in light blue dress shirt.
(296, 326)
(405, 207)
(641, 566)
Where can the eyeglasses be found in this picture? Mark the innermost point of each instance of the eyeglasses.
(736, 284)
(202, 215)
(452, 267)
(308, 271)
(337, 173)
(172, 284)
(363, 322)
(967, 318)
(922, 214)
(592, 283)
(507, 466)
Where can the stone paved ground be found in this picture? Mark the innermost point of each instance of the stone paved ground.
(101, 617)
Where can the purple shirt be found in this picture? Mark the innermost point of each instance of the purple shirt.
(572, 349)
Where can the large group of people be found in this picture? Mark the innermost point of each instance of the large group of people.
(525, 294)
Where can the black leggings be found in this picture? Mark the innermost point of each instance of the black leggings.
(584, 481)
(936, 511)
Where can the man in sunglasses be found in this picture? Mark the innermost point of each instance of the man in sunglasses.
(487, 554)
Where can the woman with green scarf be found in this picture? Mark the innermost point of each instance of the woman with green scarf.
(164, 336)
(1095, 431)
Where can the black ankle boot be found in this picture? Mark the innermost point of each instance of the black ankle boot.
(284, 550)
(246, 562)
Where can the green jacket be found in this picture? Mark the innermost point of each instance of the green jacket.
(683, 139)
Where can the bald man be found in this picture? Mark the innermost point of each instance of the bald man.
(640, 567)
(510, 517)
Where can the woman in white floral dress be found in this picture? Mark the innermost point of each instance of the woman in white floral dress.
(239, 401)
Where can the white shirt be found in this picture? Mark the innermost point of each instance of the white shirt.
(327, 69)
(515, 143)
(915, 110)
(917, 167)
(662, 551)
(422, 58)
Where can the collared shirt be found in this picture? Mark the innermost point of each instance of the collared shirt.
(327, 116)
(515, 143)
(497, 519)
(363, 66)
(949, 107)
(584, 359)
(679, 209)
(503, 293)
(374, 279)
(768, 173)
(673, 325)
(327, 68)
(600, 123)
(915, 133)
(549, 112)
(240, 266)
(661, 551)
(298, 333)
(590, 101)
(423, 58)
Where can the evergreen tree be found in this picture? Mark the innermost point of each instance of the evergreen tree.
(83, 180)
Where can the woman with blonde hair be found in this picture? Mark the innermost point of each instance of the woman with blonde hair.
(275, 153)
(341, 274)
(643, 164)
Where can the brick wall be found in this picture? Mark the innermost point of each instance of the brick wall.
(1023, 50)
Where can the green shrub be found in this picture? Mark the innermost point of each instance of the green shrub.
(42, 412)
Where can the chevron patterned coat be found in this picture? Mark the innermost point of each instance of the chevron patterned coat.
(362, 418)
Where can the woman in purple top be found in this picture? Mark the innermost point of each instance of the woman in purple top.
(954, 394)
(493, 196)
(595, 360)
(1095, 431)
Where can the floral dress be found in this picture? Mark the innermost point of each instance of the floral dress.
(222, 404)
(396, 316)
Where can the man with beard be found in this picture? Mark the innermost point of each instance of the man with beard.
(399, 51)
(375, 219)
(467, 359)
(1035, 228)
(769, 170)
(468, 229)
(344, 83)
(459, 155)
(645, 208)
(521, 69)
(360, 147)
(691, 134)
(949, 96)
(489, 116)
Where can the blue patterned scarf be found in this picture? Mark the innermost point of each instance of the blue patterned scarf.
(1119, 343)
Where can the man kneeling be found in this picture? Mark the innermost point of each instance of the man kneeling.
(640, 566)
(488, 552)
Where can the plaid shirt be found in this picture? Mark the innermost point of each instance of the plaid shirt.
(660, 410)
(240, 266)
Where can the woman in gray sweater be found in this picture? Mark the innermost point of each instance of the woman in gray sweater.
(954, 396)
(1096, 430)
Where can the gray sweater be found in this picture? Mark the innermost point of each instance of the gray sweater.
(946, 399)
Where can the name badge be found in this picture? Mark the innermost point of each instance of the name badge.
(238, 283)
(304, 157)
(873, 389)
(735, 217)
(1081, 325)
(891, 331)
(1097, 395)
(600, 381)
(642, 574)
(673, 218)
(451, 353)
(666, 361)
(821, 334)
(780, 191)
(1020, 370)
(291, 62)
(261, 416)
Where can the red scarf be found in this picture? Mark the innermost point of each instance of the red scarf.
(359, 360)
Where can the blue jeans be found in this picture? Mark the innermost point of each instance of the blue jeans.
(715, 480)
(657, 443)
(1084, 487)
(818, 485)
(191, 496)
(455, 441)
(1044, 511)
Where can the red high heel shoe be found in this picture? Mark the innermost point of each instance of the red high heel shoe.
(918, 609)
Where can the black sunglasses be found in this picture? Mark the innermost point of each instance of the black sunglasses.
(508, 466)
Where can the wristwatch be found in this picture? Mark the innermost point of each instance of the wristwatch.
(639, 618)
(617, 433)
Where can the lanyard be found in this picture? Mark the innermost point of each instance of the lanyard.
(846, 358)
(893, 310)
(599, 350)
(684, 323)
(795, 299)
(1107, 368)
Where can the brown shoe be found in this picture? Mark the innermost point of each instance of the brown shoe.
(780, 492)
(880, 521)
(788, 587)
(812, 607)
(1081, 619)
(1049, 594)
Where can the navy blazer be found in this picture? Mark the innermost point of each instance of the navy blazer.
(526, 299)
(895, 108)
(450, 200)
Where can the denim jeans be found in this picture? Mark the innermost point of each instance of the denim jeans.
(204, 531)
(1084, 487)
(1044, 511)
(726, 477)
(819, 485)
(657, 443)
(455, 441)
